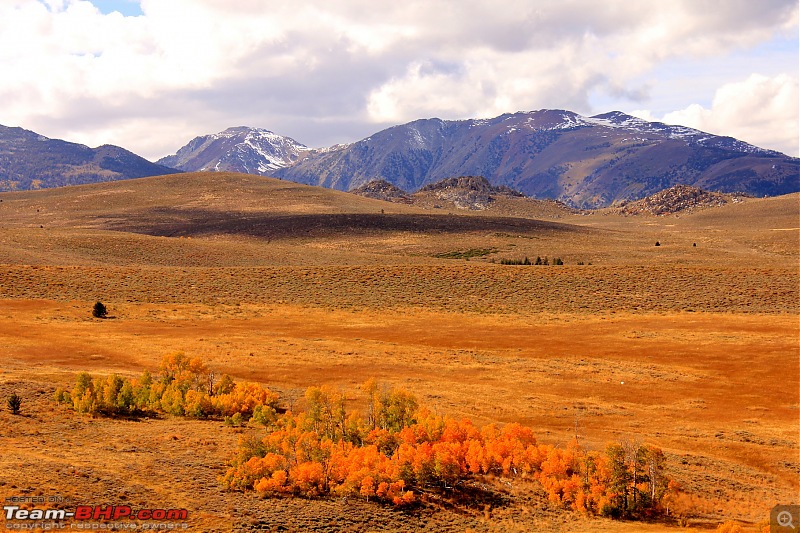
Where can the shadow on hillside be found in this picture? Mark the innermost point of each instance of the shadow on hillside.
(171, 222)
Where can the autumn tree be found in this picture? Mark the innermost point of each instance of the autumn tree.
(657, 480)
(370, 388)
(180, 390)
(397, 410)
(225, 385)
(176, 368)
(392, 454)
(635, 458)
(398, 449)
(619, 481)
(83, 395)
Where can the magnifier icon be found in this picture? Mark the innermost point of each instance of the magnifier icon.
(784, 519)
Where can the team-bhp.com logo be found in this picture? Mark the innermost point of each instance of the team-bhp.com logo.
(94, 517)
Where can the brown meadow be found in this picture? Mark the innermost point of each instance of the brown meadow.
(690, 348)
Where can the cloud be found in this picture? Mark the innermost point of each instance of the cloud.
(760, 110)
(566, 50)
(337, 70)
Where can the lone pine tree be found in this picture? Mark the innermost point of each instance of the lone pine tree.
(14, 404)
(99, 310)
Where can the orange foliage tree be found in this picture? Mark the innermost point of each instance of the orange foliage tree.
(399, 450)
(183, 386)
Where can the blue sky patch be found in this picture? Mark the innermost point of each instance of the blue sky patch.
(129, 8)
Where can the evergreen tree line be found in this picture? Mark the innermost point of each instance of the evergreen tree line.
(527, 261)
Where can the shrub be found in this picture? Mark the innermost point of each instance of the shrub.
(62, 396)
(466, 254)
(234, 421)
(729, 527)
(14, 404)
(99, 310)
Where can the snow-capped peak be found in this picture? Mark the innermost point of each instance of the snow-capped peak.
(238, 149)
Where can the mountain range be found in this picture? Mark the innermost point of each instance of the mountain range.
(585, 162)
(32, 161)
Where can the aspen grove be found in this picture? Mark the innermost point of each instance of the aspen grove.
(397, 451)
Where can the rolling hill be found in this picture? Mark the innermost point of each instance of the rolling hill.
(227, 219)
(228, 204)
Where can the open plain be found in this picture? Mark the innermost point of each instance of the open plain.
(691, 345)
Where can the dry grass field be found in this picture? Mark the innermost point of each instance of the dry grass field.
(691, 345)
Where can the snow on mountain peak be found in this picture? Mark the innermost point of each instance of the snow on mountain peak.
(261, 151)
(617, 119)
(240, 149)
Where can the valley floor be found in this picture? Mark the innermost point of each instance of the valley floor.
(691, 346)
(714, 390)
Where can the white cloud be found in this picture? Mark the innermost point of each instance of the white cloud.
(760, 110)
(575, 48)
(335, 70)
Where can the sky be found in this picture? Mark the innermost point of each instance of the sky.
(150, 75)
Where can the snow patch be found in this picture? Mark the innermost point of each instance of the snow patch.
(416, 138)
(684, 133)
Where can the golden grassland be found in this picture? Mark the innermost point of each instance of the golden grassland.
(690, 348)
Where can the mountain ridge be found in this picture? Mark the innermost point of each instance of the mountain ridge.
(29, 160)
(586, 162)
